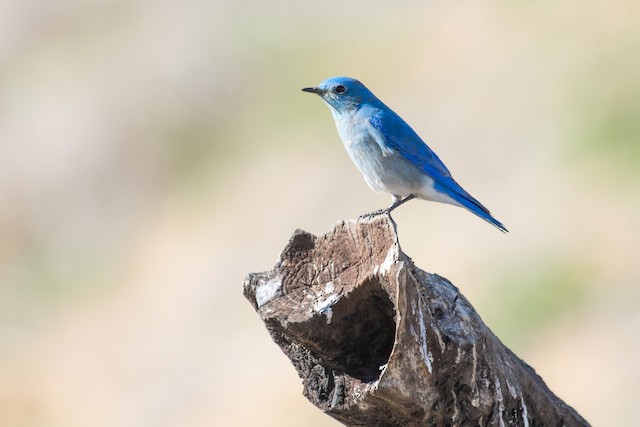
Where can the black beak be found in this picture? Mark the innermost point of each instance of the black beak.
(312, 90)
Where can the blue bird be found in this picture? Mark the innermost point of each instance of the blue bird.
(389, 154)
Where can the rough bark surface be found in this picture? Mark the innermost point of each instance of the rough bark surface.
(379, 342)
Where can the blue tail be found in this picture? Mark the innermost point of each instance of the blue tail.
(468, 202)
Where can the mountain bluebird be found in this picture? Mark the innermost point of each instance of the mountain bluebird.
(389, 154)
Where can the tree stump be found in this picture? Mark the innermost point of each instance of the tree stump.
(379, 342)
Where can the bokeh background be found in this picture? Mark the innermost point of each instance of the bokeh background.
(152, 153)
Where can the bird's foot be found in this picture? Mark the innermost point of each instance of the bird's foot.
(374, 213)
(379, 212)
(388, 210)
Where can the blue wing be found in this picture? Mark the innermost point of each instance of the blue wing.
(402, 140)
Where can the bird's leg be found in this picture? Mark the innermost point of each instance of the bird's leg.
(388, 210)
(399, 202)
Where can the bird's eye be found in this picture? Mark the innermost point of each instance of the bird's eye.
(340, 89)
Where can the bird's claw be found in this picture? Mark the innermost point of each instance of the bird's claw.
(374, 213)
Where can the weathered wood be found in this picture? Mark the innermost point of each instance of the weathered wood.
(379, 342)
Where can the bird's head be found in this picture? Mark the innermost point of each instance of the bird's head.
(343, 93)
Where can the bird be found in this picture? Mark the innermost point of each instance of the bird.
(390, 155)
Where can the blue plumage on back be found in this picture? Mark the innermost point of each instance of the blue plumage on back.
(400, 137)
(392, 158)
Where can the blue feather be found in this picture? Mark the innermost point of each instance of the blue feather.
(403, 140)
(471, 205)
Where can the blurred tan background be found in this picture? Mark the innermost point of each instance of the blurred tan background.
(152, 153)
